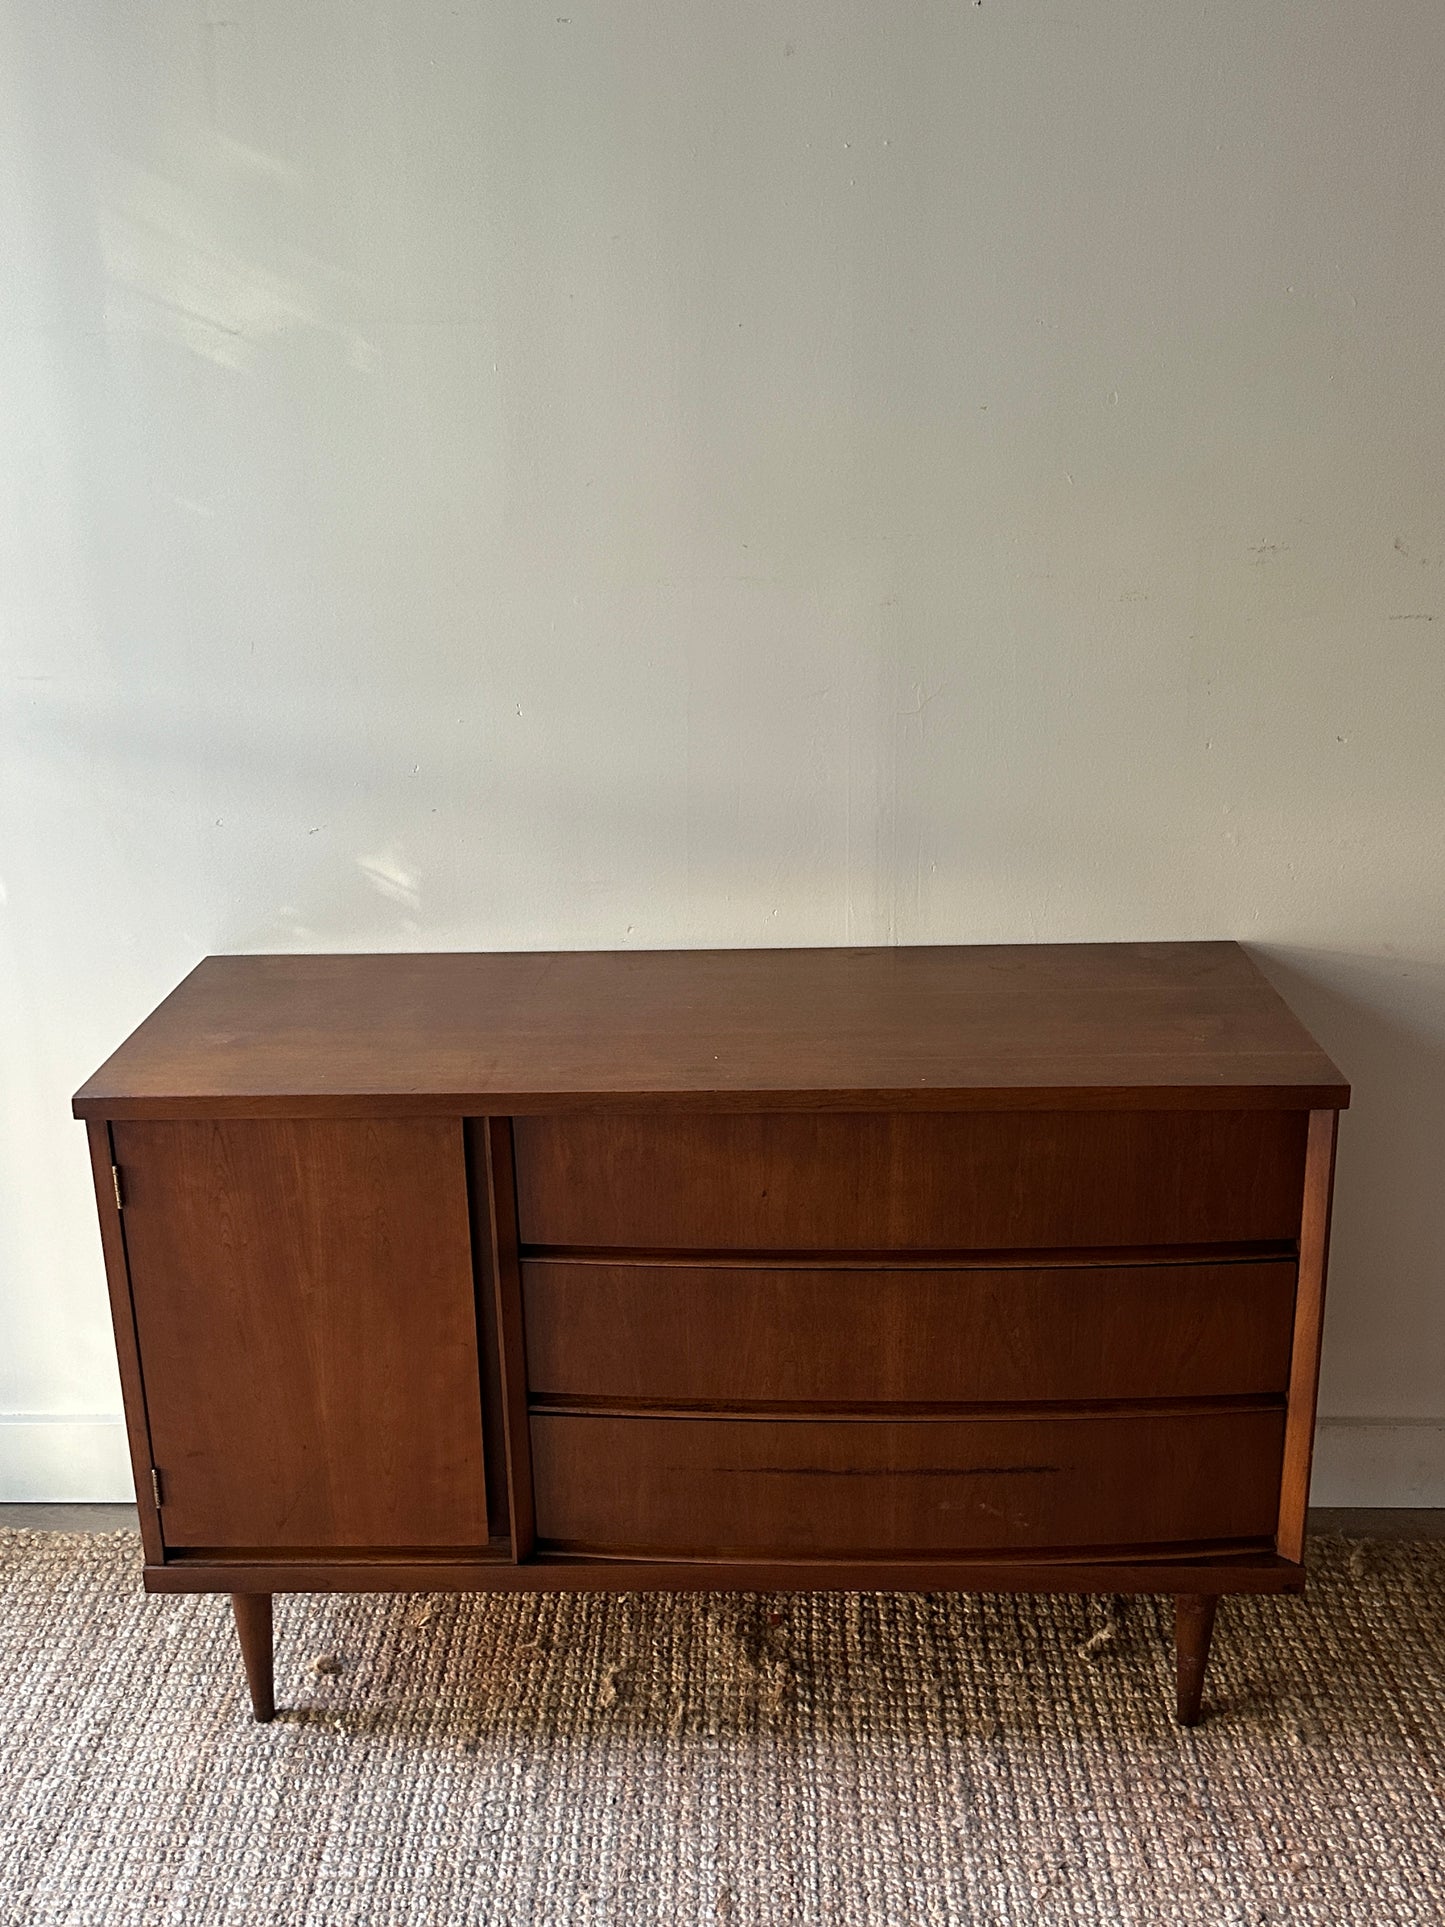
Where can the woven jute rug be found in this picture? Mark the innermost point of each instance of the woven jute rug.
(782, 1759)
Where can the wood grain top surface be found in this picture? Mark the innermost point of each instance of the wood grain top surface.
(1018, 1026)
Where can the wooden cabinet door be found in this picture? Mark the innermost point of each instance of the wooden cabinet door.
(306, 1317)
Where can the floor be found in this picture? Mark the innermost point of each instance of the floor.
(713, 1759)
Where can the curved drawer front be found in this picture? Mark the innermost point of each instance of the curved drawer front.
(769, 1488)
(920, 1181)
(663, 1333)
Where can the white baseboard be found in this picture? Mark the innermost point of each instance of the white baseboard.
(1379, 1462)
(63, 1458)
(1358, 1462)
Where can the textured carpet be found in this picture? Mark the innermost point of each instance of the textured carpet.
(788, 1759)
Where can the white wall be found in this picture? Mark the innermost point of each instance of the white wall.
(657, 472)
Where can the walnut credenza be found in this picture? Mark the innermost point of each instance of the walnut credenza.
(987, 1269)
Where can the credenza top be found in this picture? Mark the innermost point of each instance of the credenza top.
(1020, 1026)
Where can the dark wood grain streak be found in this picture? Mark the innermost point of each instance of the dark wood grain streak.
(763, 1488)
(1050, 1026)
(905, 1183)
(1314, 1250)
(724, 1334)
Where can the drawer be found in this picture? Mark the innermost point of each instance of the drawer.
(806, 1488)
(813, 1334)
(942, 1181)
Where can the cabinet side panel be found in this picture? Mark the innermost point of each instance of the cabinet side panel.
(306, 1319)
(112, 1238)
(1314, 1249)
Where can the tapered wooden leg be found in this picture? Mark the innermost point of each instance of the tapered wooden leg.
(253, 1626)
(1193, 1625)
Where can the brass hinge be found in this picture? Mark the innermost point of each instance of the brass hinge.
(119, 1194)
(156, 1488)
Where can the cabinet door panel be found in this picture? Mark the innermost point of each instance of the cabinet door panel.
(306, 1319)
